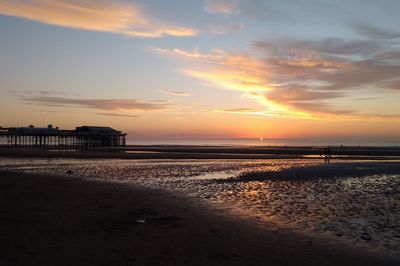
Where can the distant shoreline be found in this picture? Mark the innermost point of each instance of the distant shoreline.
(207, 152)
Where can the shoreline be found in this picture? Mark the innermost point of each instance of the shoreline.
(205, 152)
(66, 220)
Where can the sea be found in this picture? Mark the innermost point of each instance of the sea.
(131, 140)
(383, 142)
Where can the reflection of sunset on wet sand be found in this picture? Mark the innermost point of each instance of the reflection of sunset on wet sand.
(342, 202)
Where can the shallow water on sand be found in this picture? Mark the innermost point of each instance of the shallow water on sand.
(356, 202)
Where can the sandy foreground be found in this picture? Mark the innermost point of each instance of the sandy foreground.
(52, 220)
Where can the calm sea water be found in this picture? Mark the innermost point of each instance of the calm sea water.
(266, 142)
(349, 202)
(257, 142)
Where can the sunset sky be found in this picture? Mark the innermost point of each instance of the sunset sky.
(319, 70)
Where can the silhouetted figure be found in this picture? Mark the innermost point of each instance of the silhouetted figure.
(69, 172)
(327, 155)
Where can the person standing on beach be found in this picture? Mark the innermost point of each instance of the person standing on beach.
(327, 154)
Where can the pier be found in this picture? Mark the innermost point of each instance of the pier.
(82, 137)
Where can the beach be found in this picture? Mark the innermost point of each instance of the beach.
(59, 220)
(188, 205)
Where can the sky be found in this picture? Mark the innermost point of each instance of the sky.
(316, 70)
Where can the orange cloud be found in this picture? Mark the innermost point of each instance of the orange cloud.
(106, 16)
(236, 72)
(293, 82)
(225, 70)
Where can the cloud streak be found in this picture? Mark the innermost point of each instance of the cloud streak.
(175, 93)
(101, 114)
(117, 115)
(39, 93)
(221, 6)
(105, 16)
(100, 104)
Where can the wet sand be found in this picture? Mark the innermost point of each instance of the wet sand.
(53, 220)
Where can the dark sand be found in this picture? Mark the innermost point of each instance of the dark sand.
(49, 220)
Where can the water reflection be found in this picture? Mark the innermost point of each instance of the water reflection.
(355, 202)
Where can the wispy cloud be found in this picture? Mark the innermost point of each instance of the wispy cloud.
(372, 32)
(238, 110)
(225, 28)
(100, 104)
(175, 93)
(347, 115)
(117, 115)
(328, 46)
(221, 6)
(39, 92)
(102, 114)
(260, 113)
(106, 16)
